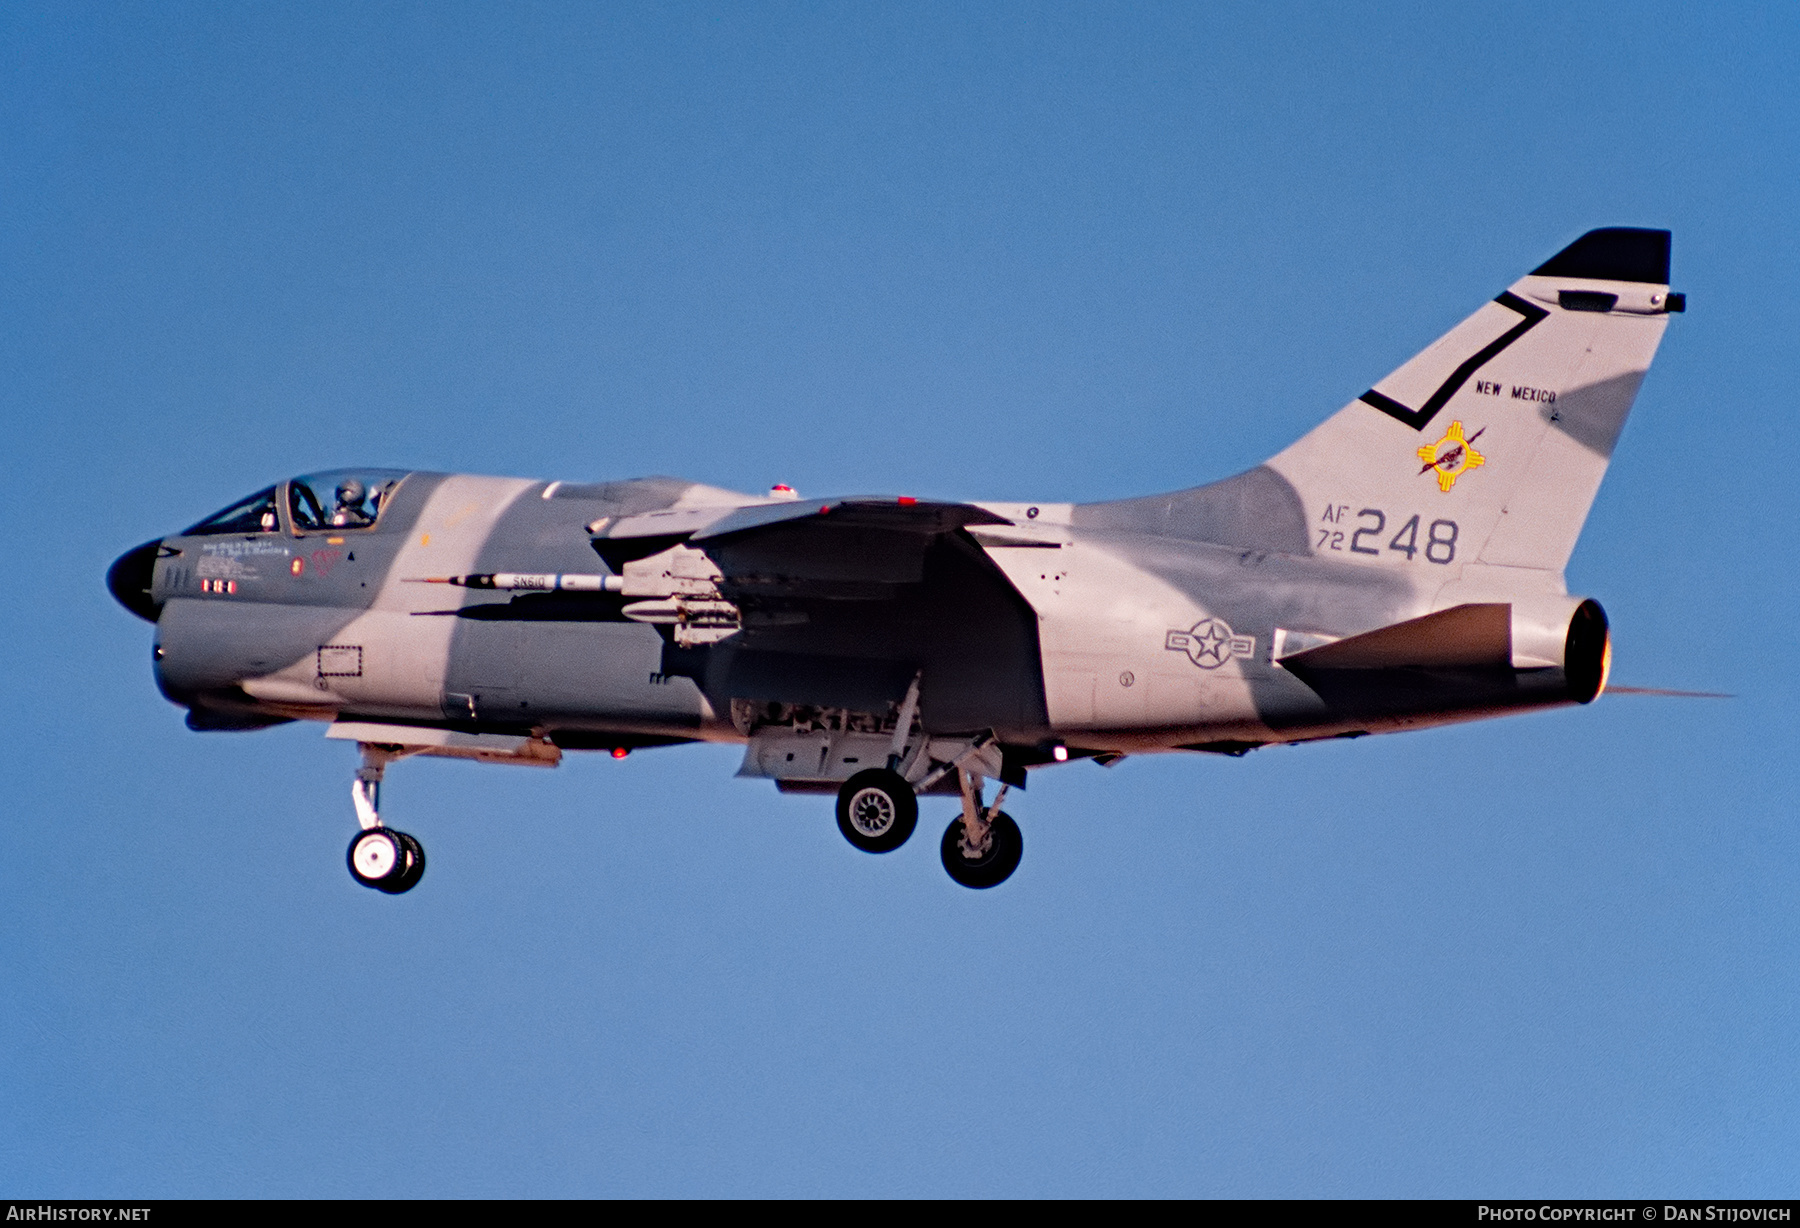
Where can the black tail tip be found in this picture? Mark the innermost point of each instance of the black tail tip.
(1615, 253)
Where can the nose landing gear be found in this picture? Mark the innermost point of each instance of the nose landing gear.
(386, 860)
(380, 857)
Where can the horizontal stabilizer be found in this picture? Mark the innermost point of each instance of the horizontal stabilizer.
(1463, 636)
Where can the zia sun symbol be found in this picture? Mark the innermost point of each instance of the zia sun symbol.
(1452, 456)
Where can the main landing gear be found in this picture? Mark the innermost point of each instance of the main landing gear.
(877, 810)
(981, 847)
(380, 857)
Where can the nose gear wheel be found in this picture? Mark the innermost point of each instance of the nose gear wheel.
(386, 860)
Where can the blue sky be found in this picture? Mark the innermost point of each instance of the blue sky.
(1035, 252)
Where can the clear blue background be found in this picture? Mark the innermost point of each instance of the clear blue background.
(1045, 251)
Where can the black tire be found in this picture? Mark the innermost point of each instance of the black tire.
(415, 865)
(877, 810)
(991, 869)
(385, 861)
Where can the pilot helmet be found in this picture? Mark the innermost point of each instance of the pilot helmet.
(350, 493)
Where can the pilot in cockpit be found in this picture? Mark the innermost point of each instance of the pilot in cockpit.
(349, 513)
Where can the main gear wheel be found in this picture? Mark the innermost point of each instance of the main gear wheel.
(877, 810)
(993, 862)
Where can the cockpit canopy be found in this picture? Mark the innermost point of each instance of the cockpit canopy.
(340, 498)
(334, 500)
(253, 515)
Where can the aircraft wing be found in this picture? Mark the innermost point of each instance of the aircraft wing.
(898, 513)
(816, 547)
(839, 603)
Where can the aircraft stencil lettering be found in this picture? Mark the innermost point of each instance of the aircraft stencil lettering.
(886, 647)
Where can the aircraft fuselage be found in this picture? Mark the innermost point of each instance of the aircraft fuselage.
(1103, 639)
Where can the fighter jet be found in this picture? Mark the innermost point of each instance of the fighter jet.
(1399, 567)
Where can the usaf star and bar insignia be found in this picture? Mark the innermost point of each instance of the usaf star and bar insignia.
(1210, 643)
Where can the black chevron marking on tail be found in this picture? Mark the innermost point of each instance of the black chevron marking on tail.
(1418, 418)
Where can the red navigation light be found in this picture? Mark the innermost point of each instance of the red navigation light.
(907, 500)
(619, 752)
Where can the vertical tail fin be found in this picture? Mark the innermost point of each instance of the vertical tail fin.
(1491, 444)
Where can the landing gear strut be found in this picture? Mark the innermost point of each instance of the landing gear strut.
(380, 857)
(982, 847)
(876, 808)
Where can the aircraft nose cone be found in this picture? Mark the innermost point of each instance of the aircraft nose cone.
(129, 577)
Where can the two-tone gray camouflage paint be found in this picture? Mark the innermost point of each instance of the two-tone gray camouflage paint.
(1136, 625)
